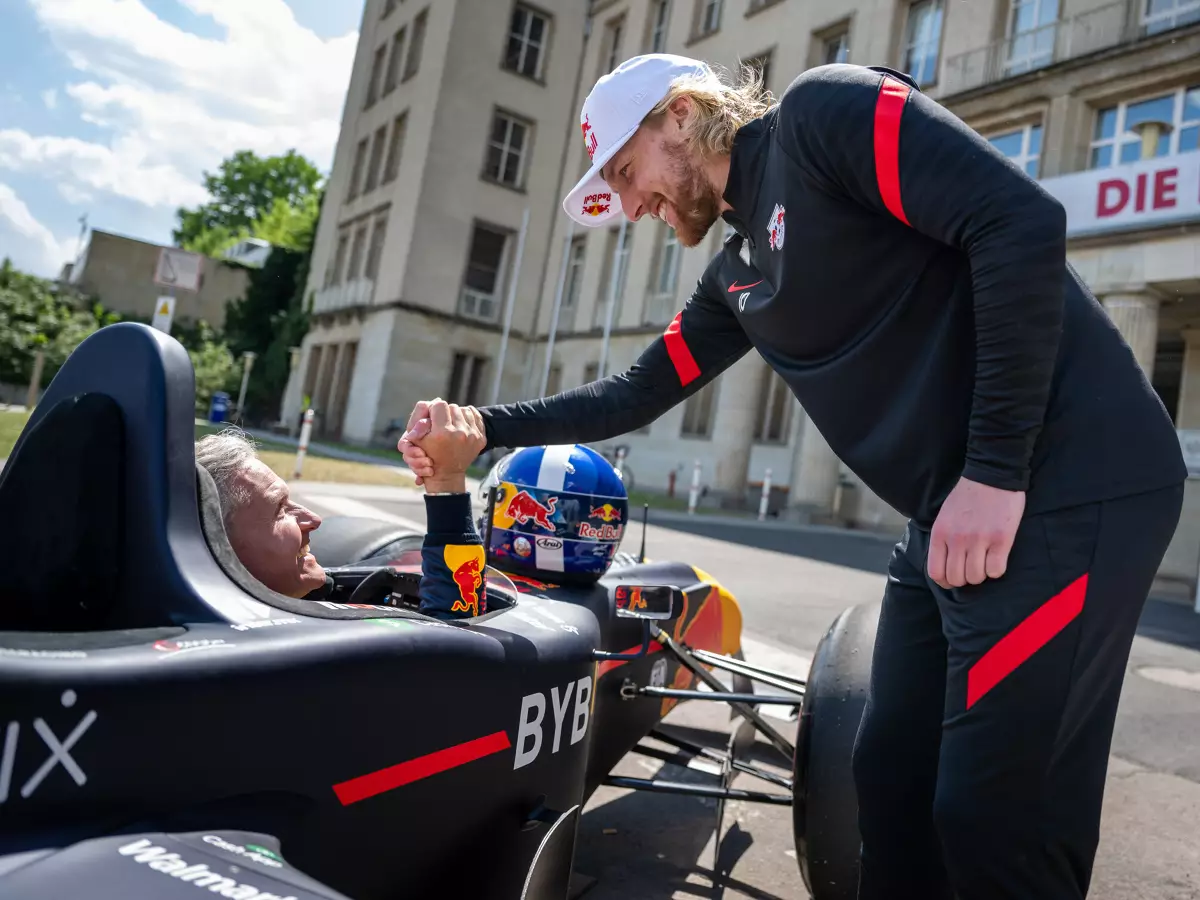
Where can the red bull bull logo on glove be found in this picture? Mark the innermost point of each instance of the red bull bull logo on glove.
(466, 568)
(522, 508)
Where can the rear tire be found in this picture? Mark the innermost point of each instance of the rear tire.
(825, 811)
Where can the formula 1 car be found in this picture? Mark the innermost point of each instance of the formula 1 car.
(170, 725)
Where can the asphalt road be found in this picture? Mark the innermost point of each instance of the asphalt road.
(654, 846)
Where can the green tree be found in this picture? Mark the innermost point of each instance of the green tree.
(244, 190)
(290, 226)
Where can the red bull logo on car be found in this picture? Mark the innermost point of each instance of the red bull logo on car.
(466, 568)
(523, 509)
(605, 513)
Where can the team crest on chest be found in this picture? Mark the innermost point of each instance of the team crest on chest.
(775, 228)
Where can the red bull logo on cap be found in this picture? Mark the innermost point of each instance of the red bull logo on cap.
(589, 137)
(605, 513)
(466, 568)
(522, 508)
(596, 204)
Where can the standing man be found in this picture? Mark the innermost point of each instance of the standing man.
(911, 286)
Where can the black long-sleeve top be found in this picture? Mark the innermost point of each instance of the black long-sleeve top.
(910, 284)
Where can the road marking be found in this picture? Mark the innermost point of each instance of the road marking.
(346, 506)
(1180, 678)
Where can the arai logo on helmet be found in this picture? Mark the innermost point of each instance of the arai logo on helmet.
(549, 543)
(775, 228)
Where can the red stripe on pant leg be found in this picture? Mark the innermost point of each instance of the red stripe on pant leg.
(1026, 639)
(681, 356)
(889, 108)
(389, 779)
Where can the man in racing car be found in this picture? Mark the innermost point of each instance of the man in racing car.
(911, 286)
(269, 530)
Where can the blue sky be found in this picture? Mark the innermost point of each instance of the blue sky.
(115, 108)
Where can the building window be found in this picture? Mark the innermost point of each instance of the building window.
(660, 299)
(376, 160)
(922, 38)
(574, 282)
(1163, 15)
(484, 277)
(554, 381)
(761, 67)
(393, 68)
(600, 314)
(709, 19)
(773, 419)
(835, 48)
(395, 148)
(413, 62)
(526, 42)
(1031, 29)
(698, 412)
(356, 254)
(466, 378)
(375, 253)
(333, 274)
(506, 150)
(388, 7)
(356, 171)
(613, 33)
(1023, 146)
(1117, 138)
(376, 76)
(660, 12)
(591, 372)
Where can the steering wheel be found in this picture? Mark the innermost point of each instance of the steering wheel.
(377, 586)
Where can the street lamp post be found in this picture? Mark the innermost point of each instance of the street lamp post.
(247, 364)
(1150, 131)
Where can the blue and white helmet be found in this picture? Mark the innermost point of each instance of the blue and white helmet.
(560, 513)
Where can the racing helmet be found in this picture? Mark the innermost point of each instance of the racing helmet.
(560, 513)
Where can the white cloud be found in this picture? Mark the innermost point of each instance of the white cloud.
(32, 246)
(50, 98)
(174, 104)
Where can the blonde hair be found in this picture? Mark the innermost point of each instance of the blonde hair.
(719, 108)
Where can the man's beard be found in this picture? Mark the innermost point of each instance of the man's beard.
(697, 205)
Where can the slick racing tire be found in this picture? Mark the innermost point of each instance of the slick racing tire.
(825, 808)
(346, 540)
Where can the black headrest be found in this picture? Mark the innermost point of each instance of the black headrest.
(62, 518)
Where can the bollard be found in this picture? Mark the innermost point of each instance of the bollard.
(694, 494)
(671, 484)
(766, 496)
(305, 431)
(620, 466)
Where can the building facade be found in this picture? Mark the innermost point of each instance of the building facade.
(1097, 99)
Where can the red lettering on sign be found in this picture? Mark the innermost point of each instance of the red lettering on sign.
(1105, 206)
(1164, 188)
(1139, 204)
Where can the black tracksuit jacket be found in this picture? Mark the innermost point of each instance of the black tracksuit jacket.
(910, 284)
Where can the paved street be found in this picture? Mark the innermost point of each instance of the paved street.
(655, 846)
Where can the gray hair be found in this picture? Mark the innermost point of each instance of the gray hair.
(224, 455)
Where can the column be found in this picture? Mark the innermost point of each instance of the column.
(1187, 414)
(733, 427)
(1136, 317)
(815, 469)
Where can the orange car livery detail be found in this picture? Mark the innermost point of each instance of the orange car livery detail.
(466, 569)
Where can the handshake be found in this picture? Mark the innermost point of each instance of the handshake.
(441, 442)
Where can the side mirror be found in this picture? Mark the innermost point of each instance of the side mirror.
(645, 601)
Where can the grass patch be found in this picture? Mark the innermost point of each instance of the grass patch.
(322, 468)
(11, 424)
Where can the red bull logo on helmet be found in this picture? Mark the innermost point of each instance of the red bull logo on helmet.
(601, 533)
(605, 513)
(522, 508)
(466, 568)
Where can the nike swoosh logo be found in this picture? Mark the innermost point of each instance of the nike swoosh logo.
(743, 287)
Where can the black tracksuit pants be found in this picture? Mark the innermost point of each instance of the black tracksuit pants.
(981, 759)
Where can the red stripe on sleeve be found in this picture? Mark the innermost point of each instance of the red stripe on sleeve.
(389, 779)
(889, 108)
(681, 356)
(1026, 639)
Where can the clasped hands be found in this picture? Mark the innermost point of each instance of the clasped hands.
(441, 441)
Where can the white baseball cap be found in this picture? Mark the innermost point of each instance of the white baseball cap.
(611, 114)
